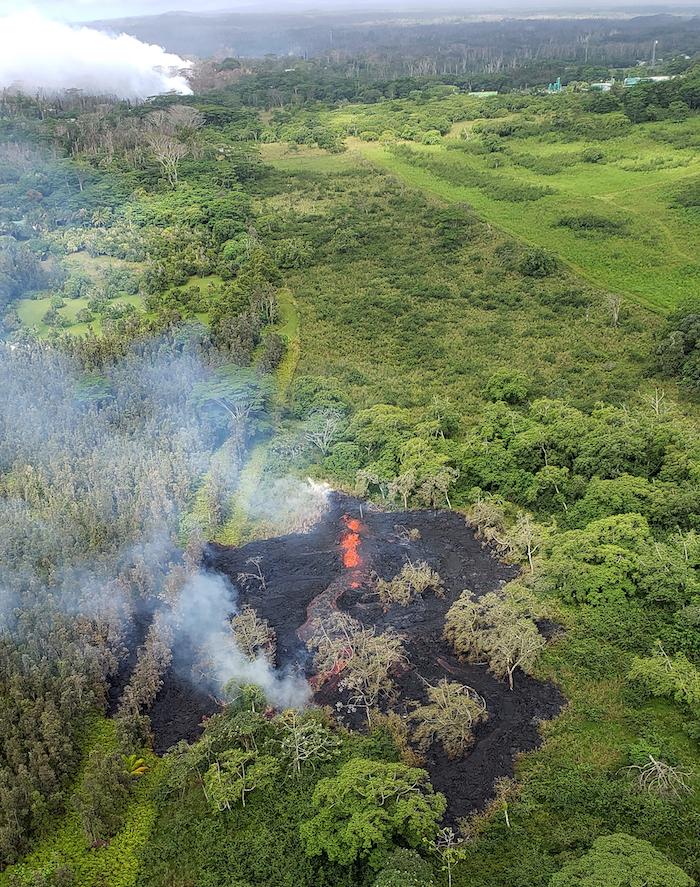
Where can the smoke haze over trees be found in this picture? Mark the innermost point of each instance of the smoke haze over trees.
(38, 54)
(96, 471)
(341, 267)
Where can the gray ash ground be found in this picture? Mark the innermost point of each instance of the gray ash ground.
(300, 567)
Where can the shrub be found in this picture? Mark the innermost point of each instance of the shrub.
(413, 580)
(450, 715)
(537, 263)
(405, 868)
(545, 166)
(293, 252)
(679, 351)
(592, 155)
(618, 861)
(673, 677)
(689, 196)
(589, 223)
(431, 137)
(309, 393)
(510, 386)
(56, 876)
(273, 350)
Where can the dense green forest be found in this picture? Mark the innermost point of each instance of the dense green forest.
(428, 299)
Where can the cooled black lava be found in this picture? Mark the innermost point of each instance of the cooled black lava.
(298, 568)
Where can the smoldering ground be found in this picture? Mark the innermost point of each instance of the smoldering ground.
(300, 568)
(201, 615)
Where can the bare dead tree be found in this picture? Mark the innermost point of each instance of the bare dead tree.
(407, 534)
(615, 305)
(168, 152)
(436, 487)
(656, 776)
(322, 428)
(367, 675)
(657, 401)
(305, 740)
(526, 536)
(255, 574)
(504, 788)
(449, 848)
(184, 118)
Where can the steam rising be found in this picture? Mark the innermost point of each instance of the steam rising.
(37, 54)
(202, 613)
(114, 480)
(287, 504)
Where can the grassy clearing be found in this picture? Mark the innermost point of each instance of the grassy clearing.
(655, 261)
(31, 312)
(297, 157)
(402, 303)
(95, 266)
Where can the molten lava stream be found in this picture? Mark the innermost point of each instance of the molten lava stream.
(326, 602)
(350, 545)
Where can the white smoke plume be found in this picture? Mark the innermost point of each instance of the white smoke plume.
(287, 504)
(124, 469)
(39, 55)
(201, 614)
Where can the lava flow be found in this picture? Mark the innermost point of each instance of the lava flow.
(350, 545)
(325, 603)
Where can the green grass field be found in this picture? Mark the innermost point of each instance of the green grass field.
(396, 314)
(656, 261)
(653, 258)
(31, 312)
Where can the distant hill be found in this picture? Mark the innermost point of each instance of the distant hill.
(615, 39)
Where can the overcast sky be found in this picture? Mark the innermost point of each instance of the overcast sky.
(85, 10)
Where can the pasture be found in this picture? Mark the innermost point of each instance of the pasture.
(607, 207)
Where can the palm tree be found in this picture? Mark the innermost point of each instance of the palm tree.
(101, 217)
(135, 766)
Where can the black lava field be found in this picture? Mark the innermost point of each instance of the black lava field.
(332, 565)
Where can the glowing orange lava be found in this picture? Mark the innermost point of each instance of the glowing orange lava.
(320, 679)
(324, 604)
(350, 542)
